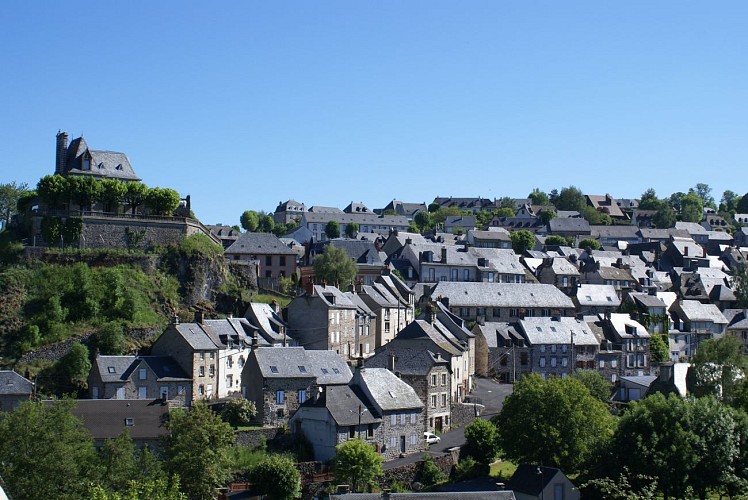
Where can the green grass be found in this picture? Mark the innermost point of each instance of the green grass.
(267, 298)
(502, 469)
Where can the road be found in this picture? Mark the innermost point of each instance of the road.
(490, 393)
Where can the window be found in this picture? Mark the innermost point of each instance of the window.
(512, 313)
(111, 369)
(614, 363)
(202, 356)
(201, 371)
(466, 274)
(212, 370)
(268, 260)
(553, 361)
(352, 431)
(393, 419)
(412, 418)
(302, 369)
(564, 348)
(142, 392)
(433, 379)
(129, 422)
(230, 361)
(201, 390)
(142, 374)
(444, 379)
(433, 400)
(370, 431)
(280, 397)
(454, 274)
(444, 399)
(542, 347)
(212, 355)
(564, 361)
(282, 259)
(302, 395)
(402, 418)
(601, 364)
(523, 359)
(393, 441)
(553, 347)
(273, 369)
(541, 361)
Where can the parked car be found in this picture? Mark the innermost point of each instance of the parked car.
(431, 438)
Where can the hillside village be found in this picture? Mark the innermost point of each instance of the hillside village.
(443, 294)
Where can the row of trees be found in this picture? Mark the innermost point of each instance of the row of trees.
(56, 191)
(45, 452)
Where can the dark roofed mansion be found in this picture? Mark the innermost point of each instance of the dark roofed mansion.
(78, 159)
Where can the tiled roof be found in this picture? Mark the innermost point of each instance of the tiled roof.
(598, 295)
(107, 418)
(557, 331)
(11, 384)
(528, 295)
(327, 367)
(259, 244)
(387, 390)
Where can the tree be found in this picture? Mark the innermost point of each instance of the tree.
(52, 191)
(740, 279)
(45, 452)
(332, 230)
(742, 206)
(197, 450)
(675, 200)
(267, 224)
(555, 239)
(659, 347)
(649, 200)
(277, 477)
(522, 240)
(83, 190)
(554, 422)
(249, 221)
(704, 192)
(162, 201)
(351, 229)
(333, 266)
(729, 201)
(430, 473)
(596, 217)
(357, 463)
(111, 339)
(135, 195)
(10, 195)
(482, 439)
(545, 216)
(691, 208)
(589, 243)
(111, 193)
(118, 462)
(538, 197)
(423, 220)
(571, 198)
(718, 367)
(506, 202)
(665, 217)
(238, 412)
(52, 229)
(141, 488)
(598, 386)
(76, 365)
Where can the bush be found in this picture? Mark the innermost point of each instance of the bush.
(468, 468)
(111, 339)
(238, 412)
(430, 472)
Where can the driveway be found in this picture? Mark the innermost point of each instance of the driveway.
(486, 391)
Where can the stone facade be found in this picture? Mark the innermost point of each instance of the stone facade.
(276, 399)
(316, 324)
(143, 383)
(201, 365)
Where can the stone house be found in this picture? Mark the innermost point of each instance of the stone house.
(427, 373)
(279, 379)
(437, 262)
(652, 310)
(558, 345)
(697, 322)
(501, 351)
(139, 377)
(559, 272)
(363, 252)
(596, 299)
(391, 311)
(78, 159)
(459, 224)
(408, 210)
(325, 319)
(492, 238)
(105, 419)
(270, 325)
(368, 327)
(274, 259)
(502, 301)
(14, 388)
(288, 211)
(367, 222)
(227, 234)
(632, 339)
(569, 227)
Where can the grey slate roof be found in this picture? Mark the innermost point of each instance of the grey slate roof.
(113, 368)
(423, 330)
(195, 336)
(557, 331)
(528, 295)
(165, 368)
(110, 164)
(343, 404)
(369, 219)
(568, 225)
(598, 295)
(333, 297)
(12, 384)
(696, 311)
(409, 361)
(259, 244)
(105, 418)
(360, 251)
(647, 300)
(327, 367)
(268, 322)
(387, 390)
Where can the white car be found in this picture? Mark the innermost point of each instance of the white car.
(431, 438)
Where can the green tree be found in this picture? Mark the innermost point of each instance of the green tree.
(625, 487)
(332, 230)
(141, 489)
(554, 239)
(482, 439)
(522, 240)
(649, 200)
(333, 266)
(423, 220)
(430, 473)
(53, 191)
(250, 221)
(118, 461)
(111, 339)
(277, 477)
(135, 195)
(742, 206)
(538, 197)
(45, 452)
(675, 200)
(659, 347)
(351, 229)
(433, 207)
(10, 194)
(266, 224)
(691, 208)
(197, 450)
(76, 365)
(665, 217)
(571, 198)
(589, 243)
(111, 193)
(740, 286)
(729, 201)
(238, 412)
(704, 192)
(357, 463)
(162, 201)
(554, 422)
(596, 217)
(598, 386)
(546, 216)
(718, 367)
(83, 190)
(52, 229)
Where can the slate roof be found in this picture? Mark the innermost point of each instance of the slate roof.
(106, 418)
(567, 225)
(647, 300)
(738, 319)
(688, 246)
(460, 220)
(528, 295)
(598, 295)
(691, 227)
(110, 164)
(195, 336)
(619, 322)
(267, 320)
(12, 384)
(622, 232)
(165, 368)
(614, 273)
(694, 310)
(113, 368)
(494, 330)
(423, 330)
(562, 266)
(606, 202)
(527, 480)
(386, 389)
(258, 244)
(368, 219)
(339, 300)
(409, 361)
(360, 251)
(343, 403)
(327, 367)
(557, 331)
(325, 210)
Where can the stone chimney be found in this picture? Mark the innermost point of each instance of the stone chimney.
(199, 317)
(255, 341)
(444, 255)
(391, 359)
(61, 152)
(429, 313)
(175, 319)
(274, 306)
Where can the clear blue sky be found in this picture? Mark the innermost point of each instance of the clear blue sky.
(244, 104)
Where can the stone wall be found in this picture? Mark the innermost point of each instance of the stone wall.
(253, 438)
(408, 473)
(464, 413)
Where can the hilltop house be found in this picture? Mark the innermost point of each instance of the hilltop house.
(273, 258)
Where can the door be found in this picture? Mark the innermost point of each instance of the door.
(438, 424)
(164, 392)
(95, 392)
(142, 392)
(120, 393)
(402, 444)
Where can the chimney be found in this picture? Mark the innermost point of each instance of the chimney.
(199, 317)
(408, 241)
(444, 255)
(61, 152)
(685, 251)
(175, 319)
(255, 340)
(391, 362)
(429, 313)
